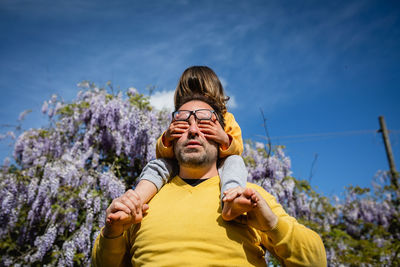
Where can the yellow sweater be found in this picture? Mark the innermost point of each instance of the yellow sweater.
(231, 128)
(184, 227)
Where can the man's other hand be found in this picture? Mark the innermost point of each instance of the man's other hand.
(261, 217)
(237, 201)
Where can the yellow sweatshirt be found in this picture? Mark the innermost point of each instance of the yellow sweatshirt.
(184, 227)
(231, 128)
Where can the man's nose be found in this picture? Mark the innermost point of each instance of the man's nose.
(193, 128)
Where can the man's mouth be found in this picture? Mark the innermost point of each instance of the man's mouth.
(193, 144)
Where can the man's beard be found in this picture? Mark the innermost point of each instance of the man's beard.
(196, 157)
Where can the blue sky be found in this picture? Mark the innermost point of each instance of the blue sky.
(322, 72)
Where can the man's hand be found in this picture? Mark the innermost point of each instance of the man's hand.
(213, 130)
(261, 217)
(237, 201)
(122, 213)
(174, 131)
(259, 214)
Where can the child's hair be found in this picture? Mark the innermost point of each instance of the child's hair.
(201, 80)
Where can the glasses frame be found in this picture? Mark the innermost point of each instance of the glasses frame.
(193, 112)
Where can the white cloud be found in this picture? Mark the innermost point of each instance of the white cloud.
(223, 82)
(232, 102)
(163, 100)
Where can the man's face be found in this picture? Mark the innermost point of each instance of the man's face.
(192, 149)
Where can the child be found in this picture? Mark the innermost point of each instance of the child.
(232, 171)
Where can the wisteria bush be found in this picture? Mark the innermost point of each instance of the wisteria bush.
(361, 229)
(53, 198)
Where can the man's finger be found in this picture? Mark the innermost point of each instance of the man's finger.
(145, 207)
(134, 198)
(119, 206)
(130, 202)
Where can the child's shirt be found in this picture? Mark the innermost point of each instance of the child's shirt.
(231, 128)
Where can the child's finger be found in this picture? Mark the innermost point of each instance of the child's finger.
(204, 122)
(114, 216)
(205, 126)
(183, 126)
(210, 137)
(176, 136)
(216, 122)
(179, 127)
(179, 123)
(228, 191)
(231, 196)
(178, 130)
(207, 131)
(208, 124)
(202, 134)
(118, 216)
(212, 123)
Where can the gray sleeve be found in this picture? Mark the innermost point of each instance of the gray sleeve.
(159, 171)
(232, 172)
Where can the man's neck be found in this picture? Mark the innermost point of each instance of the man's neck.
(197, 173)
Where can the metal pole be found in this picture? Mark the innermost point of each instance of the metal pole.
(389, 153)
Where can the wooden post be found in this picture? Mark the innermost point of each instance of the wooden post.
(385, 135)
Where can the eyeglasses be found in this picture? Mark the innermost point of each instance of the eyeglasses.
(199, 114)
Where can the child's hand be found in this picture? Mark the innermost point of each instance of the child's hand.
(213, 130)
(174, 131)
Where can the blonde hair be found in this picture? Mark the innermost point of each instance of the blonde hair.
(201, 80)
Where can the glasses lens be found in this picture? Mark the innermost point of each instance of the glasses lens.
(200, 114)
(203, 114)
(181, 115)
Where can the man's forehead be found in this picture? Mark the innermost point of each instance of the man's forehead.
(194, 105)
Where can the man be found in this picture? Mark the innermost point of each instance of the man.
(183, 224)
